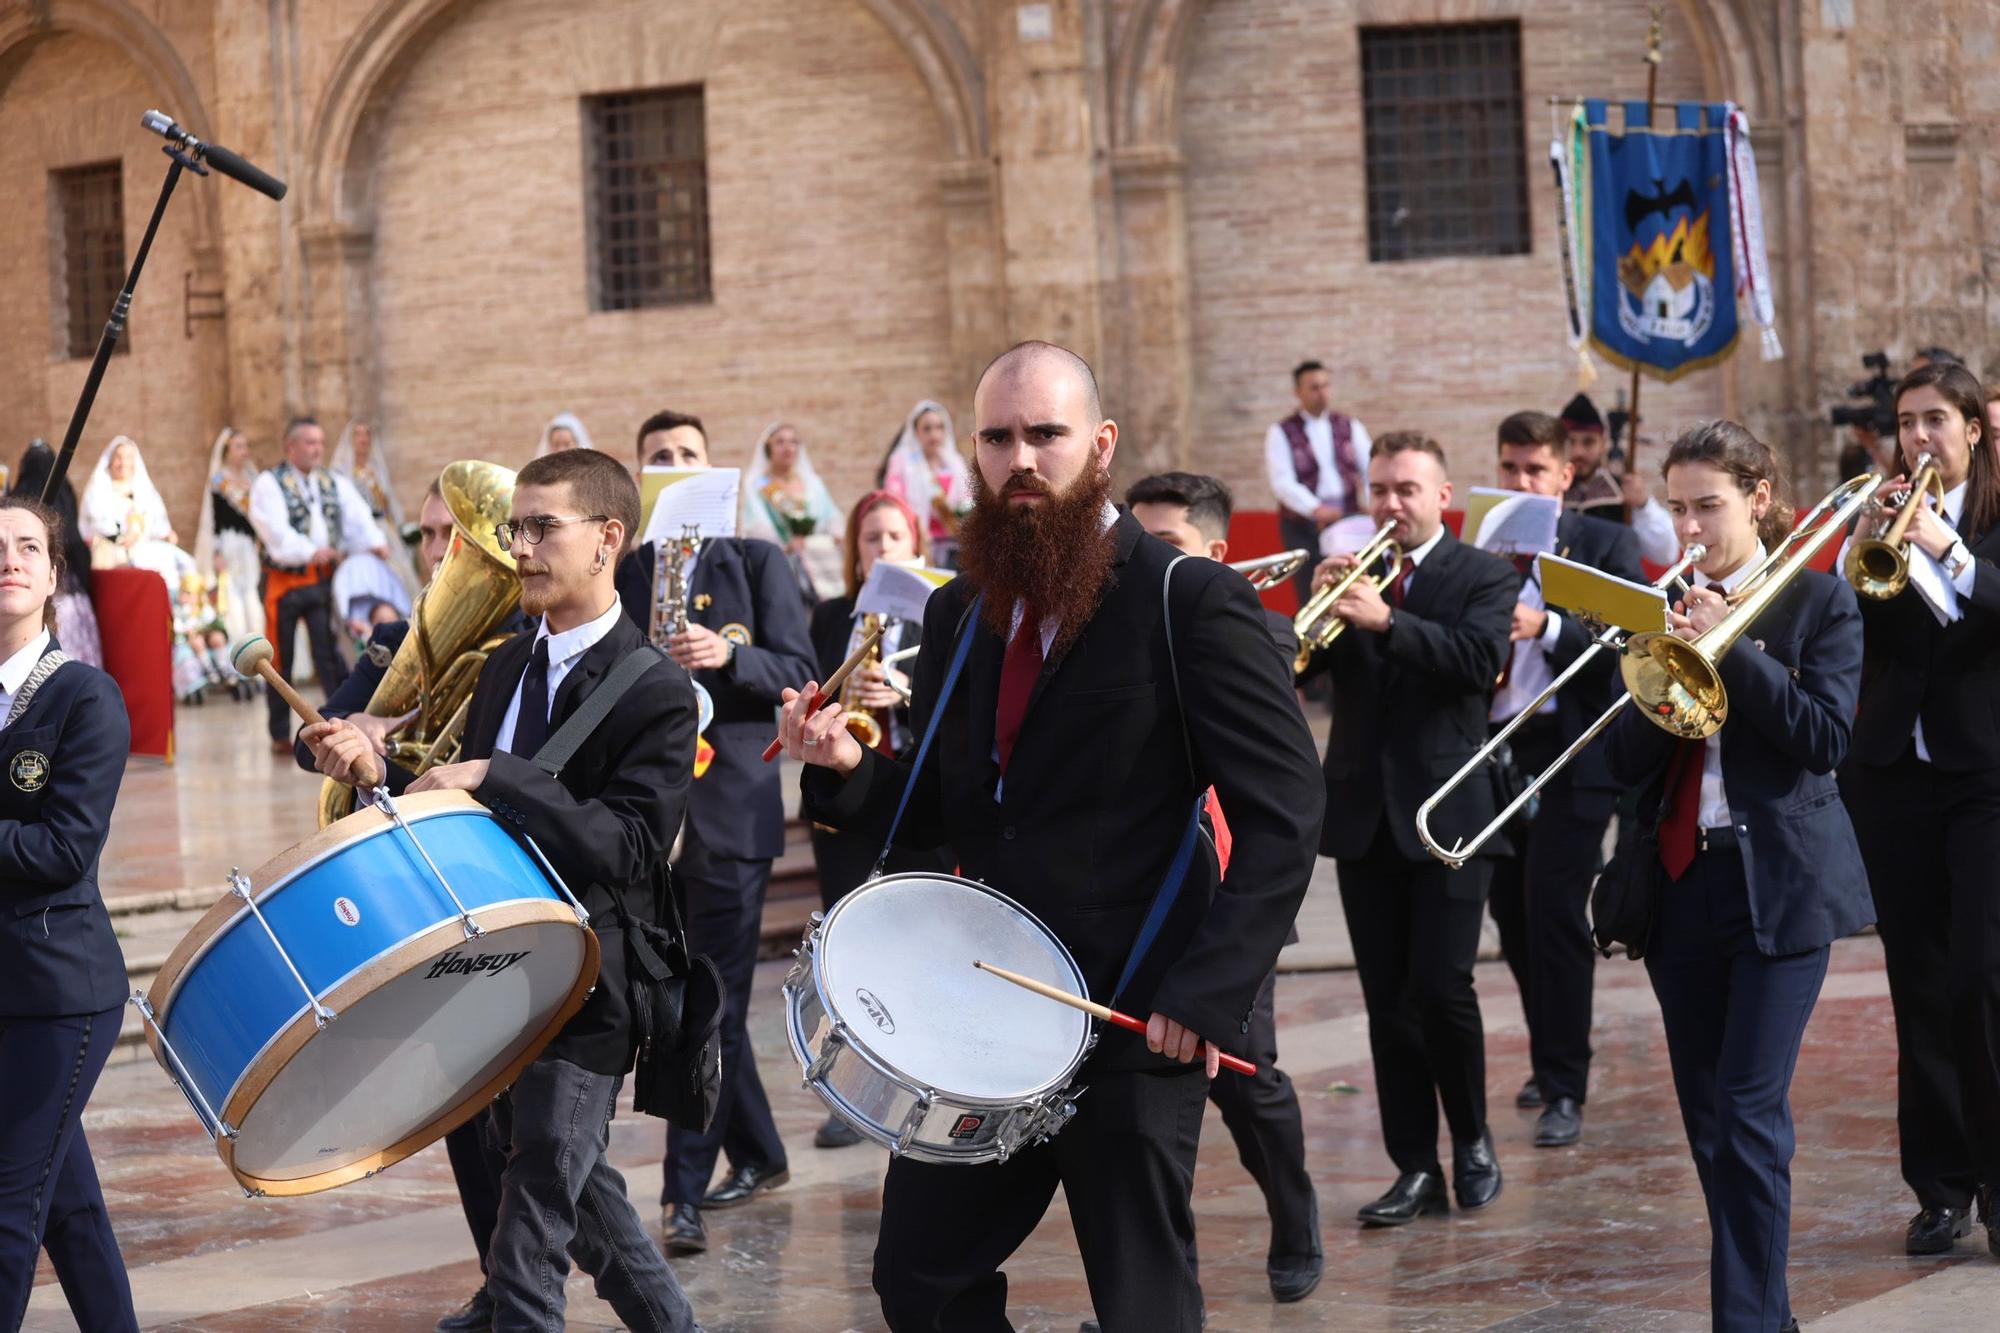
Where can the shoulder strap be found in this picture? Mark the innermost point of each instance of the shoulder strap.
(958, 656)
(38, 677)
(557, 750)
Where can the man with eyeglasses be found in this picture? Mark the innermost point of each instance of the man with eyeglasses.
(606, 823)
(747, 642)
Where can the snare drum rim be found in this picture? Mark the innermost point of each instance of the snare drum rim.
(853, 1041)
(279, 872)
(384, 968)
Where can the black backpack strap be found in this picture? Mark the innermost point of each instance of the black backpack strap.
(557, 750)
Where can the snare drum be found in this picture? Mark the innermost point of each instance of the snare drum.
(368, 991)
(912, 1046)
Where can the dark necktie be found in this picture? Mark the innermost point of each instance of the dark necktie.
(531, 723)
(1399, 586)
(1018, 672)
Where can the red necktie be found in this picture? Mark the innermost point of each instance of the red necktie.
(1222, 839)
(1018, 673)
(1681, 827)
(1401, 583)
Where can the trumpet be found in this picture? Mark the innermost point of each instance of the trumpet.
(1612, 638)
(1271, 570)
(1316, 624)
(1879, 567)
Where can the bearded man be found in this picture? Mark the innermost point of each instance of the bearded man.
(1067, 766)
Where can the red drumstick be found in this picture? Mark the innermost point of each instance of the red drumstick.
(831, 690)
(1097, 1010)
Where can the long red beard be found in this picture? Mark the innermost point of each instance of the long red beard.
(1054, 557)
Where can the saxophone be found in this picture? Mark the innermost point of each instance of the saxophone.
(670, 609)
(863, 724)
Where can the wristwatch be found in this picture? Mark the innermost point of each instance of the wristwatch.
(1957, 558)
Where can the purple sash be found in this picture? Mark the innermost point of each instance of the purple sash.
(1306, 468)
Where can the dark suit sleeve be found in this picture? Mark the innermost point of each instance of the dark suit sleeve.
(59, 848)
(354, 693)
(1985, 598)
(1251, 742)
(1468, 653)
(622, 834)
(782, 658)
(1809, 717)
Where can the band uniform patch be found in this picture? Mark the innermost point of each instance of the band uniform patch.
(379, 654)
(702, 601)
(30, 770)
(735, 633)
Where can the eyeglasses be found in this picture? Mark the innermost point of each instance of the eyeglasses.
(534, 527)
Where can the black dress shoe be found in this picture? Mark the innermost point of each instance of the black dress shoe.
(1295, 1272)
(1530, 1095)
(1789, 1326)
(745, 1183)
(685, 1232)
(474, 1316)
(1935, 1230)
(1986, 1207)
(1415, 1194)
(836, 1133)
(1475, 1173)
(1560, 1125)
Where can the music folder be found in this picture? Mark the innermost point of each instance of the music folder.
(1594, 595)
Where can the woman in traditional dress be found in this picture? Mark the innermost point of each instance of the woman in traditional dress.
(125, 520)
(563, 431)
(785, 503)
(367, 589)
(225, 545)
(925, 468)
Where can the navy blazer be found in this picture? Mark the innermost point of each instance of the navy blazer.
(1410, 706)
(1614, 549)
(1792, 680)
(737, 808)
(63, 759)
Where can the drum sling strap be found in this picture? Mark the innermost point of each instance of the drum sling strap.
(676, 999)
(1169, 891)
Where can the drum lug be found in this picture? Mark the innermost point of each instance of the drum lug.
(211, 1123)
(829, 1051)
(582, 916)
(387, 805)
(239, 884)
(914, 1121)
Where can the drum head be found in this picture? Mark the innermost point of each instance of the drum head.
(895, 962)
(437, 1022)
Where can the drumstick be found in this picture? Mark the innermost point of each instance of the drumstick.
(252, 657)
(1105, 1012)
(831, 690)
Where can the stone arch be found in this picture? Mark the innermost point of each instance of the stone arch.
(123, 28)
(396, 32)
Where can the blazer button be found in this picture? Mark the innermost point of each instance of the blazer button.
(1008, 833)
(1246, 1027)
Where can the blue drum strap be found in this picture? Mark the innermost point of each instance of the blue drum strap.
(958, 656)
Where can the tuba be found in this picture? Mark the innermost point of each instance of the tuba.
(473, 589)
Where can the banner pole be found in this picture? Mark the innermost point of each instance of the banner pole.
(1652, 96)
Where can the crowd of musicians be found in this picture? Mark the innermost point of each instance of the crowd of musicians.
(1116, 695)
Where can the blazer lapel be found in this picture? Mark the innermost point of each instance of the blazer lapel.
(508, 662)
(1435, 569)
(595, 663)
(982, 689)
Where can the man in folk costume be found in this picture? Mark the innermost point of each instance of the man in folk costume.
(307, 519)
(1316, 459)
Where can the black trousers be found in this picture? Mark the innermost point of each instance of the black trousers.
(476, 1166)
(49, 1195)
(1415, 930)
(1540, 901)
(313, 605)
(1931, 842)
(724, 910)
(1126, 1167)
(1734, 1019)
(1262, 1114)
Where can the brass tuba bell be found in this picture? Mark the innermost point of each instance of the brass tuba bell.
(473, 589)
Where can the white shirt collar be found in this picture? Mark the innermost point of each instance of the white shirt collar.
(1954, 503)
(1742, 572)
(1416, 557)
(15, 670)
(581, 639)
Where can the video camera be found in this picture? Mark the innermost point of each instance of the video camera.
(1879, 411)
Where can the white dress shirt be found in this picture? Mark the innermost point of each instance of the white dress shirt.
(285, 545)
(14, 672)
(1531, 672)
(1714, 808)
(565, 651)
(1285, 484)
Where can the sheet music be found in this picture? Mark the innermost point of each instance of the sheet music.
(1603, 597)
(898, 591)
(1512, 522)
(703, 498)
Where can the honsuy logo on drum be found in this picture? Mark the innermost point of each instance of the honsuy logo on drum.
(458, 964)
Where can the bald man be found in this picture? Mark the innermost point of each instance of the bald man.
(1067, 769)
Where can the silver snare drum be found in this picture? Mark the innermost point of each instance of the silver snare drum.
(913, 1047)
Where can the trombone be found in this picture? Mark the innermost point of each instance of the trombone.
(1316, 624)
(1271, 570)
(1675, 680)
(1612, 637)
(1879, 567)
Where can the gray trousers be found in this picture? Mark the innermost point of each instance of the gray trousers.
(560, 1197)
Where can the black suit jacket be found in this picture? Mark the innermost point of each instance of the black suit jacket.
(1615, 550)
(1947, 674)
(1099, 791)
(607, 822)
(1410, 705)
(63, 759)
(1791, 681)
(737, 809)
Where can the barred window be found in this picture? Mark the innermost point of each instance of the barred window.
(88, 266)
(648, 199)
(1446, 142)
